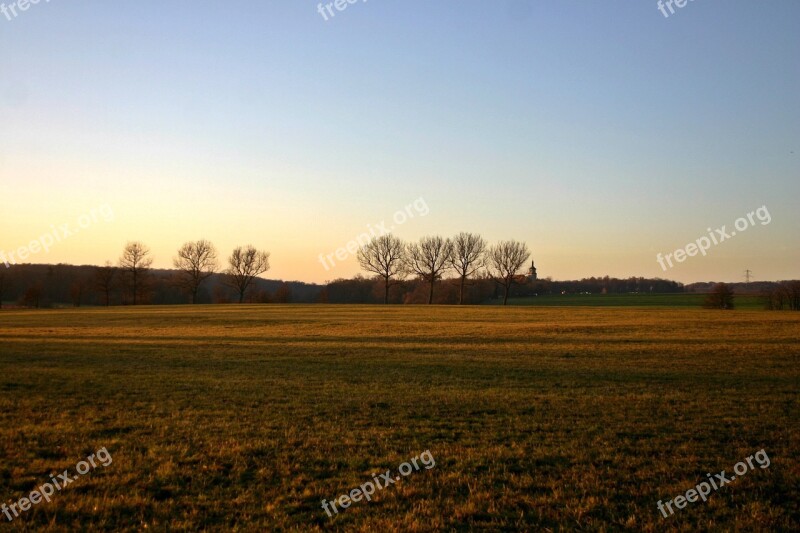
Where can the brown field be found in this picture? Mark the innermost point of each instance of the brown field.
(246, 417)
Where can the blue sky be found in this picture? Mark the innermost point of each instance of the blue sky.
(601, 133)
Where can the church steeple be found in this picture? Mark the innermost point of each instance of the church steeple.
(532, 272)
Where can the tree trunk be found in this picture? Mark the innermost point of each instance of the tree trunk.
(505, 300)
(461, 291)
(386, 293)
(430, 296)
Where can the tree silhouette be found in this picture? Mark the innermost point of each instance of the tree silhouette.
(505, 261)
(429, 259)
(244, 265)
(384, 256)
(3, 286)
(197, 261)
(467, 258)
(104, 280)
(135, 265)
(720, 297)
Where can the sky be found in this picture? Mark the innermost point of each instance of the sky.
(600, 133)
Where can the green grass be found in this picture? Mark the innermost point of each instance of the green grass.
(679, 300)
(246, 417)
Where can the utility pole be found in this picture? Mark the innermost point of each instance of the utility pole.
(747, 275)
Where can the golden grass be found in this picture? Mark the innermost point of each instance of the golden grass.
(246, 417)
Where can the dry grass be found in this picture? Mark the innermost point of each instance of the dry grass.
(245, 417)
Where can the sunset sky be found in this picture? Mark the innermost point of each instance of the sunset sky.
(601, 133)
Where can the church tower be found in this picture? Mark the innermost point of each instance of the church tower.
(532, 272)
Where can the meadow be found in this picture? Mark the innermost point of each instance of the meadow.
(245, 418)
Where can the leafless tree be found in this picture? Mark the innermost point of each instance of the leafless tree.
(720, 297)
(77, 291)
(468, 257)
(384, 256)
(32, 296)
(283, 294)
(197, 261)
(104, 278)
(429, 259)
(792, 289)
(784, 295)
(244, 265)
(505, 259)
(135, 265)
(3, 285)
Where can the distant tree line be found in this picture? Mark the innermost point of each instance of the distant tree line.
(195, 263)
(776, 295)
(63, 285)
(67, 285)
(132, 280)
(464, 269)
(784, 295)
(482, 288)
(608, 285)
(431, 258)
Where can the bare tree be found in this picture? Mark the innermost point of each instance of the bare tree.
(384, 256)
(3, 286)
(135, 265)
(77, 291)
(32, 296)
(720, 297)
(429, 259)
(245, 264)
(784, 295)
(197, 261)
(104, 278)
(468, 257)
(505, 260)
(792, 294)
(283, 294)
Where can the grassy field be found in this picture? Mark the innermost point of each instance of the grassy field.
(246, 417)
(678, 300)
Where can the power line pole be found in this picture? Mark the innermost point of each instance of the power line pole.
(748, 274)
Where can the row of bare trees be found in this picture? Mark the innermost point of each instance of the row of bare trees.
(785, 295)
(196, 262)
(432, 257)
